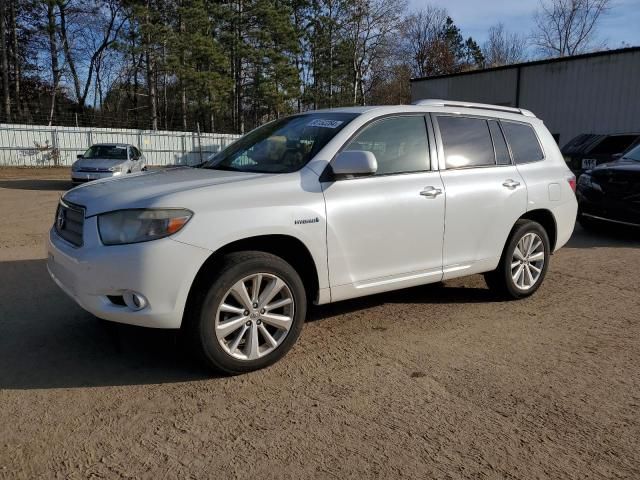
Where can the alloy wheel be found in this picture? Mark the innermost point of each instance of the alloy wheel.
(255, 316)
(527, 261)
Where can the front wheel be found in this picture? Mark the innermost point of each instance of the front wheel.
(251, 314)
(524, 261)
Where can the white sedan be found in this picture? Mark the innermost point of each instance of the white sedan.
(105, 160)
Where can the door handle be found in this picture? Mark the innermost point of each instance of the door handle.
(511, 184)
(431, 192)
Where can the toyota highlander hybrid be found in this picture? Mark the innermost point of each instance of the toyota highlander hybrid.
(317, 207)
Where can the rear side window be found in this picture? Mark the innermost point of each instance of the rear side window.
(523, 141)
(467, 142)
(399, 144)
(499, 144)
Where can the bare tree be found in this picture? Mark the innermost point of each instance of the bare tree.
(369, 29)
(422, 39)
(98, 29)
(503, 48)
(567, 27)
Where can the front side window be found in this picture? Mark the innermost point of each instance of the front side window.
(523, 141)
(282, 146)
(106, 152)
(466, 141)
(399, 143)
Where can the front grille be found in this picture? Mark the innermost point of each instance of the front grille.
(69, 222)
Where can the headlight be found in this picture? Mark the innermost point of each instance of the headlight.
(74, 167)
(140, 225)
(115, 169)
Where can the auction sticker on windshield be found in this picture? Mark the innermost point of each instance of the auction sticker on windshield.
(324, 123)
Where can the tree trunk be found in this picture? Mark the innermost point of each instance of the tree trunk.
(183, 88)
(164, 87)
(238, 72)
(67, 53)
(4, 58)
(16, 58)
(183, 102)
(151, 84)
(53, 51)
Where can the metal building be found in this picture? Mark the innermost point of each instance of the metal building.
(592, 93)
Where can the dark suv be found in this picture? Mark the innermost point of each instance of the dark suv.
(589, 150)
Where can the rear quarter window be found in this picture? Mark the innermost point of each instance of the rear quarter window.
(523, 141)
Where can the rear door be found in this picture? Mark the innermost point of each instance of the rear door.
(485, 193)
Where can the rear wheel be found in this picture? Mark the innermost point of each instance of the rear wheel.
(524, 261)
(251, 314)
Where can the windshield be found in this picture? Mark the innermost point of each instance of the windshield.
(282, 146)
(633, 154)
(109, 152)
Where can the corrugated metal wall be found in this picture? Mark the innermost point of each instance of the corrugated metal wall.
(592, 94)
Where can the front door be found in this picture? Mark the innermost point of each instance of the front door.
(385, 230)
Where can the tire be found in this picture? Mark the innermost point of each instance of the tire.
(502, 281)
(223, 336)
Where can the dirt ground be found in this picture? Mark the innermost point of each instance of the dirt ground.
(440, 381)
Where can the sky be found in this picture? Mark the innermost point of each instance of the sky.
(618, 28)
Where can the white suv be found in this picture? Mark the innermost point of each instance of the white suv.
(317, 207)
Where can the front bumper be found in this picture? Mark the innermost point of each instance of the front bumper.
(161, 270)
(81, 177)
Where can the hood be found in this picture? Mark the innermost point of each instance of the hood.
(619, 165)
(97, 164)
(141, 190)
(619, 179)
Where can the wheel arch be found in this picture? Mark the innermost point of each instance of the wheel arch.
(545, 218)
(287, 247)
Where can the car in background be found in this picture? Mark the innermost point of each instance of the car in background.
(589, 150)
(611, 192)
(105, 160)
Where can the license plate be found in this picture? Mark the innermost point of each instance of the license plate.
(588, 163)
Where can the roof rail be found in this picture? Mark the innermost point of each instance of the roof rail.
(484, 106)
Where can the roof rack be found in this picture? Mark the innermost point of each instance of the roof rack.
(483, 106)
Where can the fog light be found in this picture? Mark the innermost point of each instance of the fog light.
(134, 300)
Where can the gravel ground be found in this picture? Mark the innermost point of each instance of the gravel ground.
(441, 381)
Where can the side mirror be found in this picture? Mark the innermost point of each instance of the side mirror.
(616, 156)
(354, 162)
(79, 156)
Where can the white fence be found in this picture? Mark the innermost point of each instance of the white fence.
(40, 146)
